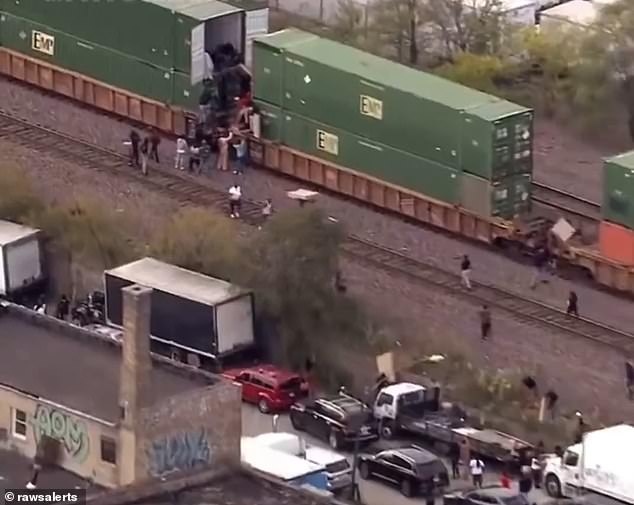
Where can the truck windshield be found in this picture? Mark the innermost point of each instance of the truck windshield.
(412, 403)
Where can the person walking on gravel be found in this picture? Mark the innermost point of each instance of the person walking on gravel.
(485, 322)
(235, 196)
(181, 151)
(145, 147)
(465, 272)
(134, 141)
(155, 140)
(573, 305)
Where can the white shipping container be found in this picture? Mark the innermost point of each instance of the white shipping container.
(20, 257)
(257, 24)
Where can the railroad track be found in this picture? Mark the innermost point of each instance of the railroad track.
(187, 190)
(571, 206)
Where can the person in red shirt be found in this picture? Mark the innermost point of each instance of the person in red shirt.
(505, 480)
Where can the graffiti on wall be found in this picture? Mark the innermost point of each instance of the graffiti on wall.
(71, 431)
(178, 451)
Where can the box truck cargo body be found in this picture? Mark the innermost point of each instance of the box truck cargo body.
(20, 258)
(190, 311)
(602, 464)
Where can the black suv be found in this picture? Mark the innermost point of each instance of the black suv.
(414, 470)
(338, 419)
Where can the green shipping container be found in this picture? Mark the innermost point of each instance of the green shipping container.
(618, 190)
(268, 68)
(185, 94)
(507, 198)
(371, 158)
(137, 28)
(497, 140)
(270, 121)
(356, 91)
(94, 61)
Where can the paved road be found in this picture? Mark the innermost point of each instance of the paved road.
(372, 492)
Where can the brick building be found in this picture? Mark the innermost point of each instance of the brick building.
(110, 412)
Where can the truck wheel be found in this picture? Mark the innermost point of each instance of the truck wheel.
(553, 486)
(333, 440)
(406, 488)
(387, 431)
(364, 470)
(263, 406)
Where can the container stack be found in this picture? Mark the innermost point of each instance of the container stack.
(616, 232)
(154, 48)
(415, 130)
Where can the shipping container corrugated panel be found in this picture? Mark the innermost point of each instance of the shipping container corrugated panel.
(507, 198)
(216, 22)
(138, 28)
(270, 121)
(367, 157)
(618, 190)
(89, 59)
(374, 97)
(185, 94)
(268, 63)
(497, 140)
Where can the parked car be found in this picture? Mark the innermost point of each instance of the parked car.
(270, 388)
(490, 495)
(338, 419)
(414, 470)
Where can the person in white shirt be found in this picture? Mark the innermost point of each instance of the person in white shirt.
(235, 194)
(477, 470)
(181, 151)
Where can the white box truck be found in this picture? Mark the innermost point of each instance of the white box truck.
(20, 259)
(191, 312)
(603, 464)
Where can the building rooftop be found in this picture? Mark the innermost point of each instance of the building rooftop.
(73, 367)
(625, 160)
(178, 281)
(237, 488)
(16, 471)
(578, 12)
(9, 232)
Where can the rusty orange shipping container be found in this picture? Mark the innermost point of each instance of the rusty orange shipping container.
(616, 243)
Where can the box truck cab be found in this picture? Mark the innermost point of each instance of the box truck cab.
(602, 464)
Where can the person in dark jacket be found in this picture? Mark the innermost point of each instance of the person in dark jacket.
(63, 307)
(454, 455)
(573, 305)
(525, 483)
(134, 140)
(485, 322)
(155, 140)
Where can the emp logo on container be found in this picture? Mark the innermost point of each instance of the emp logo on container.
(43, 43)
(371, 107)
(327, 142)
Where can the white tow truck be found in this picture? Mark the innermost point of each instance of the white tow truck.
(603, 465)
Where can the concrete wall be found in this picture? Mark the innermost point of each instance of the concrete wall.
(79, 434)
(200, 429)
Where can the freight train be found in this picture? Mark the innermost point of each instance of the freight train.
(331, 115)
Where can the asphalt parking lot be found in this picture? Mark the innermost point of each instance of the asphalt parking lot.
(372, 492)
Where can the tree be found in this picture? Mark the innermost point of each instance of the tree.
(473, 70)
(198, 240)
(292, 266)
